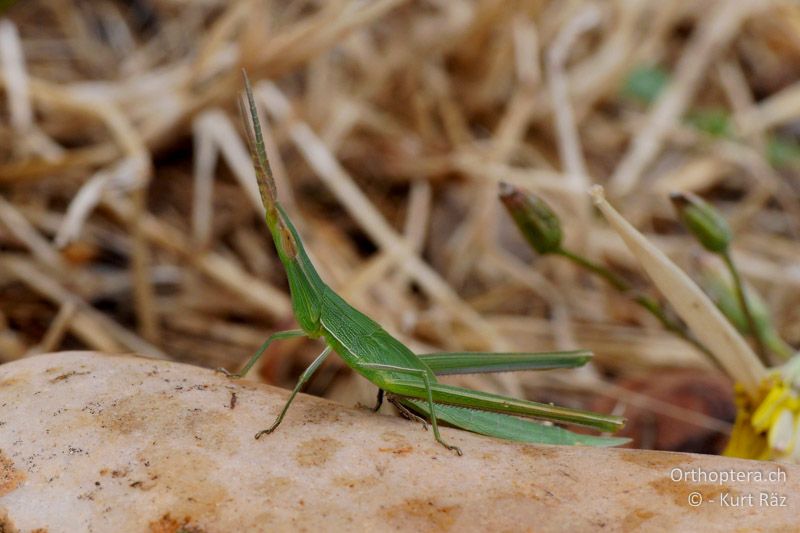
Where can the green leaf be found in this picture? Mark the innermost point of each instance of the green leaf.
(645, 83)
(714, 121)
(783, 151)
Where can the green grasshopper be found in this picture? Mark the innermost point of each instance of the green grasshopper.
(408, 379)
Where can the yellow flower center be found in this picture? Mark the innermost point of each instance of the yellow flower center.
(766, 426)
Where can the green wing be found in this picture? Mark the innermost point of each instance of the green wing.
(509, 427)
(448, 363)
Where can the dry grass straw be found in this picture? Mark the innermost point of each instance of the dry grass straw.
(390, 124)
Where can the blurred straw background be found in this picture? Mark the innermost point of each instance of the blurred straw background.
(390, 125)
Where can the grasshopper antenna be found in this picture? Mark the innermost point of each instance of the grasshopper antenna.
(255, 141)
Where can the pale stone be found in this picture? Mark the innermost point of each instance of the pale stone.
(108, 443)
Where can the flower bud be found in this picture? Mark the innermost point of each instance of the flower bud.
(702, 221)
(534, 218)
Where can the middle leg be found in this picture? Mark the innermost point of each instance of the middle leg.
(302, 381)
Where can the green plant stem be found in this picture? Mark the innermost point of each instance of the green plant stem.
(751, 322)
(650, 304)
(613, 279)
(778, 346)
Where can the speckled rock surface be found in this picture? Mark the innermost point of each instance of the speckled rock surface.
(100, 443)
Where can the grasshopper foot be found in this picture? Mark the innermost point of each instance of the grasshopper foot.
(407, 414)
(454, 448)
(379, 401)
(449, 446)
(228, 374)
(264, 432)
